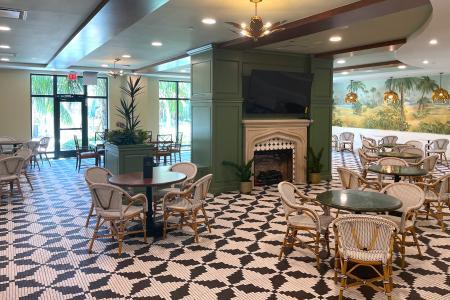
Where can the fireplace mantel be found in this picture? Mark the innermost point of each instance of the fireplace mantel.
(294, 130)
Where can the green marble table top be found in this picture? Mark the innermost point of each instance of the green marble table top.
(397, 170)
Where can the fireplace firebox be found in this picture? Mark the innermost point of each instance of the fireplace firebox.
(272, 166)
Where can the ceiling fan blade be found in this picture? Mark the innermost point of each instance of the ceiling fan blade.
(234, 24)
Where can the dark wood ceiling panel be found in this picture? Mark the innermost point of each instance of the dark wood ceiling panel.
(361, 48)
(372, 65)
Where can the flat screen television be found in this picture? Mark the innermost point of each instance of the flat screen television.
(275, 92)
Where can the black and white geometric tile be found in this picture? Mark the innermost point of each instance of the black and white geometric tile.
(43, 251)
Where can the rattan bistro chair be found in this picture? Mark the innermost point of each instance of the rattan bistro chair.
(26, 155)
(354, 181)
(415, 144)
(334, 142)
(438, 147)
(186, 204)
(412, 150)
(412, 198)
(389, 161)
(92, 176)
(10, 169)
(388, 140)
(42, 150)
(366, 159)
(108, 206)
(346, 140)
(428, 163)
(362, 240)
(437, 194)
(301, 218)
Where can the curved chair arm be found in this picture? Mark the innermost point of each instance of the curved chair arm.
(139, 198)
(309, 212)
(370, 184)
(185, 194)
(309, 200)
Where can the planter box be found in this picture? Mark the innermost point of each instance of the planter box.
(126, 158)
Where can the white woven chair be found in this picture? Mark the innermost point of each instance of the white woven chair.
(415, 144)
(346, 141)
(186, 204)
(412, 198)
(372, 141)
(412, 150)
(389, 161)
(364, 241)
(388, 140)
(354, 181)
(366, 159)
(438, 147)
(428, 163)
(368, 146)
(10, 169)
(26, 155)
(92, 176)
(437, 195)
(108, 206)
(301, 218)
(34, 147)
(186, 168)
(334, 142)
(42, 150)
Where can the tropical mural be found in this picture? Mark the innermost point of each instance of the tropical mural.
(414, 111)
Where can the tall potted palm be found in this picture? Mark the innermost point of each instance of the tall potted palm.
(125, 147)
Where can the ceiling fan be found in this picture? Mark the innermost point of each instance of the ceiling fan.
(114, 73)
(256, 28)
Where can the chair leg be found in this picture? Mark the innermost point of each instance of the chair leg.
(386, 281)
(194, 225)
(343, 280)
(94, 235)
(317, 248)
(28, 179)
(165, 218)
(206, 219)
(37, 162)
(19, 188)
(416, 241)
(120, 236)
(286, 237)
(91, 210)
(402, 249)
(440, 215)
(48, 160)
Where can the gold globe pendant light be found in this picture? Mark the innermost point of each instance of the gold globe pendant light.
(440, 95)
(391, 96)
(351, 96)
(256, 28)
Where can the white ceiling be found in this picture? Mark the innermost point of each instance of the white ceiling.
(48, 25)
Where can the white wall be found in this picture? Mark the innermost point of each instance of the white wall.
(15, 103)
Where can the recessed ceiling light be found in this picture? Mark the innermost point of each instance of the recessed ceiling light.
(126, 56)
(344, 73)
(402, 67)
(335, 38)
(157, 44)
(4, 59)
(433, 42)
(209, 21)
(104, 65)
(341, 61)
(5, 46)
(5, 28)
(183, 71)
(425, 62)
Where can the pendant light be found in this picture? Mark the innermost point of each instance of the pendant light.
(390, 96)
(440, 95)
(351, 96)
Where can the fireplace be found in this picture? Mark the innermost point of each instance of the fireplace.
(272, 166)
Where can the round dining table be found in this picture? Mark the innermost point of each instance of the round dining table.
(359, 201)
(402, 155)
(398, 171)
(162, 176)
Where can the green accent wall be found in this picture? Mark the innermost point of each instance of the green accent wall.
(217, 101)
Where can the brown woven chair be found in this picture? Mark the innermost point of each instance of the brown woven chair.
(163, 148)
(108, 206)
(364, 241)
(301, 218)
(83, 153)
(176, 147)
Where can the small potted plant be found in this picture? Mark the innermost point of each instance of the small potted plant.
(244, 172)
(314, 165)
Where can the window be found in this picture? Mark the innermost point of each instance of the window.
(175, 110)
(43, 108)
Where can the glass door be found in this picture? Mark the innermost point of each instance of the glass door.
(71, 121)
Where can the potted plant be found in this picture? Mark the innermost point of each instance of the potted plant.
(244, 173)
(125, 146)
(314, 165)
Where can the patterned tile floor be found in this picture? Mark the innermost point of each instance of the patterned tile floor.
(43, 251)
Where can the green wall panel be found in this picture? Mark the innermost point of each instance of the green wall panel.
(201, 133)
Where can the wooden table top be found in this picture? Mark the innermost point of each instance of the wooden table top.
(161, 176)
(359, 201)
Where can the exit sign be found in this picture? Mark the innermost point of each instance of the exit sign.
(72, 76)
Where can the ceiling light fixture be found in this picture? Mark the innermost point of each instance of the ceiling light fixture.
(390, 96)
(402, 67)
(256, 28)
(5, 47)
(126, 56)
(433, 42)
(209, 21)
(351, 96)
(5, 28)
(425, 62)
(105, 66)
(335, 39)
(4, 59)
(114, 73)
(341, 61)
(344, 73)
(156, 44)
(440, 95)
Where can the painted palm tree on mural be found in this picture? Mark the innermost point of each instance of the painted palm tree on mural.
(356, 86)
(425, 85)
(402, 86)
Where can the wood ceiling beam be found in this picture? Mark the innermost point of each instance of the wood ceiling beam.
(108, 19)
(338, 17)
(361, 48)
(389, 63)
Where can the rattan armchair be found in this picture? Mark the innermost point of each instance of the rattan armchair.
(10, 169)
(412, 198)
(389, 161)
(366, 160)
(437, 195)
(415, 144)
(26, 155)
(334, 142)
(346, 140)
(428, 163)
(388, 140)
(108, 206)
(92, 176)
(438, 147)
(42, 150)
(368, 146)
(301, 218)
(186, 204)
(34, 147)
(412, 150)
(362, 240)
(354, 181)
